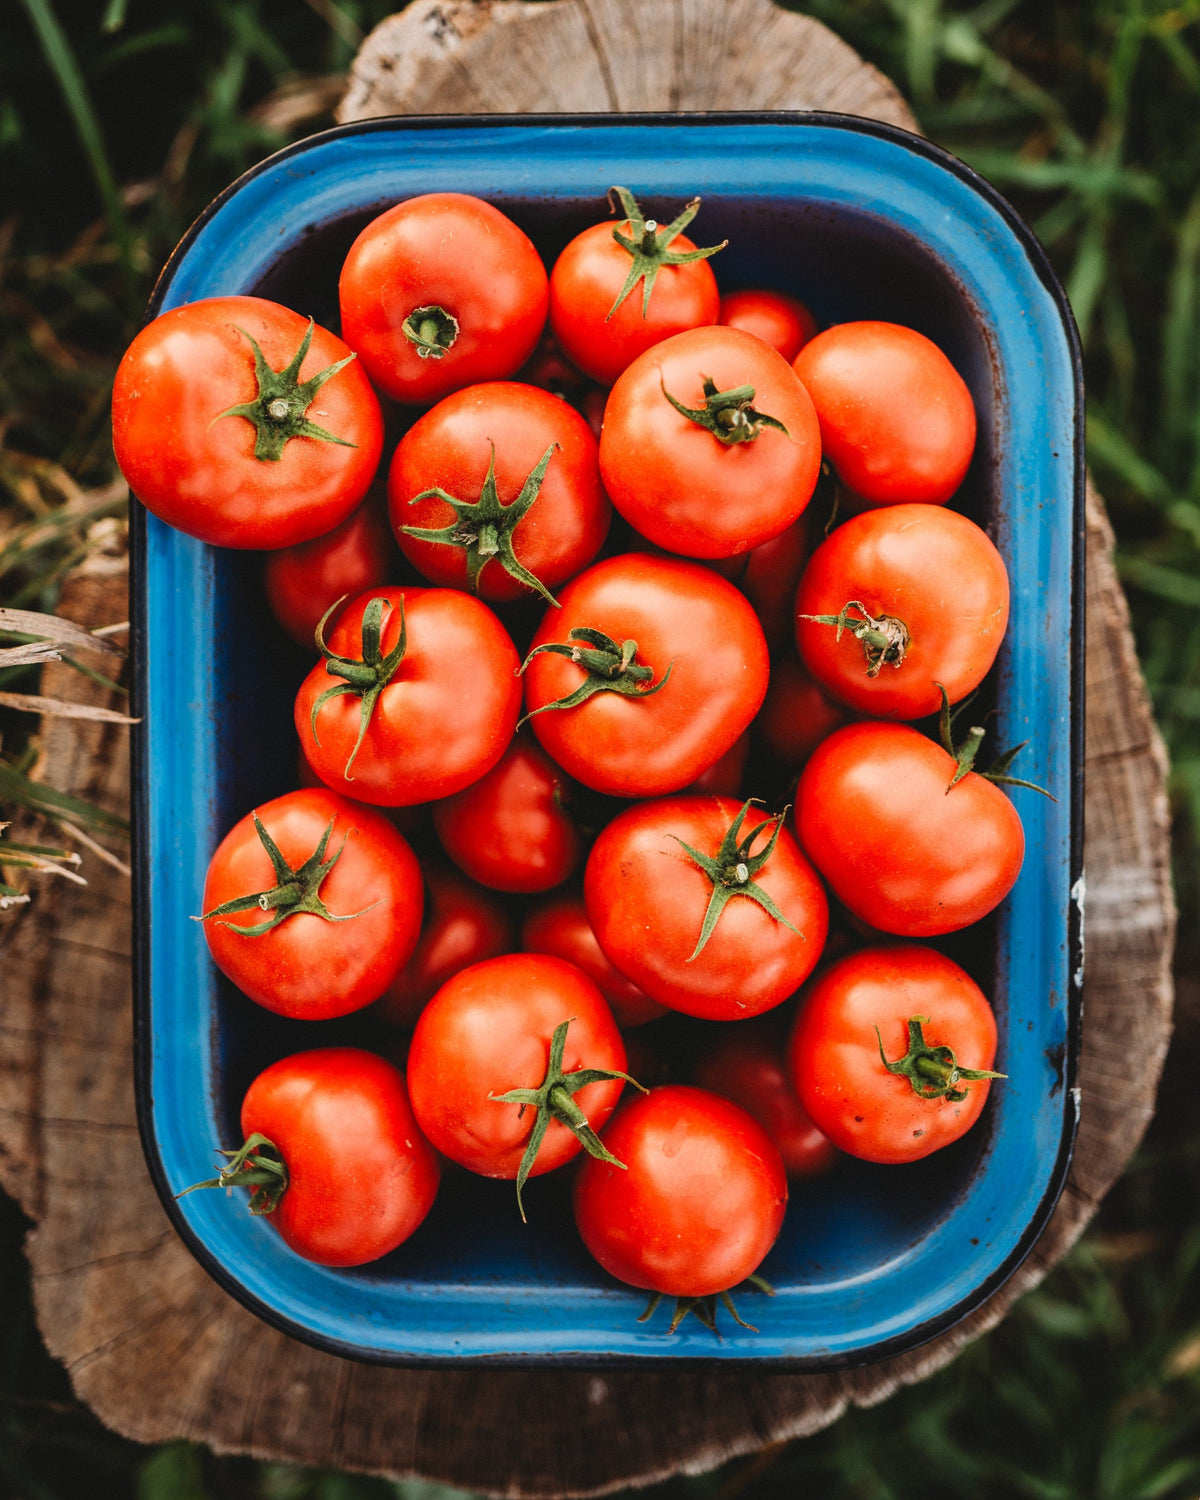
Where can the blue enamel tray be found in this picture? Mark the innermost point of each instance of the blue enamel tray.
(861, 221)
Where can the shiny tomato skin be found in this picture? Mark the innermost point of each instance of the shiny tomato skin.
(446, 717)
(678, 612)
(511, 830)
(833, 1054)
(195, 468)
(450, 447)
(897, 419)
(746, 1065)
(361, 1175)
(488, 1030)
(674, 481)
(779, 320)
(700, 1204)
(929, 567)
(796, 715)
(303, 581)
(906, 853)
(463, 925)
(587, 279)
(646, 900)
(308, 968)
(452, 251)
(560, 926)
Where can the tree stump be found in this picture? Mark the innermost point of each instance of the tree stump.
(150, 1342)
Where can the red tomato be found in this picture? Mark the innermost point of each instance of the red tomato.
(276, 917)
(846, 1086)
(463, 925)
(521, 465)
(489, 1030)
(646, 732)
(650, 902)
(796, 715)
(444, 715)
(560, 926)
(511, 830)
(724, 777)
(442, 272)
(770, 578)
(908, 596)
(603, 323)
(905, 851)
(355, 1175)
(897, 419)
(303, 581)
(779, 320)
(734, 467)
(747, 1066)
(220, 436)
(702, 1200)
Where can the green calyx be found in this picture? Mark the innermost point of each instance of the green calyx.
(295, 891)
(430, 330)
(554, 1101)
(729, 415)
(649, 245)
(610, 668)
(933, 1071)
(705, 1308)
(484, 528)
(733, 869)
(884, 638)
(367, 676)
(278, 411)
(964, 753)
(259, 1166)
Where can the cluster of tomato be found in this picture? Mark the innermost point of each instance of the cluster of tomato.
(699, 647)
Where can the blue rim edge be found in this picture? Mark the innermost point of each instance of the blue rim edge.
(921, 1333)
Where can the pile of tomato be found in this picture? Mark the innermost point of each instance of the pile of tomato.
(567, 776)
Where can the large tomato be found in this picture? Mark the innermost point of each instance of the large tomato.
(560, 926)
(240, 422)
(333, 1156)
(779, 320)
(312, 904)
(695, 676)
(440, 292)
(303, 581)
(898, 601)
(897, 419)
(709, 908)
(497, 489)
(416, 698)
(888, 1050)
(903, 849)
(710, 444)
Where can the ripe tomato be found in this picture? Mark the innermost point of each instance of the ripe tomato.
(312, 905)
(463, 925)
(440, 292)
(710, 444)
(904, 598)
(303, 581)
(922, 1003)
(746, 1065)
(493, 1028)
(653, 905)
(241, 423)
(897, 419)
(497, 489)
(333, 1156)
(724, 777)
(696, 677)
(904, 850)
(771, 576)
(796, 715)
(511, 830)
(702, 1200)
(779, 320)
(560, 926)
(617, 289)
(428, 702)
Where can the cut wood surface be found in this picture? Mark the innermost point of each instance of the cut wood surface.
(150, 1342)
